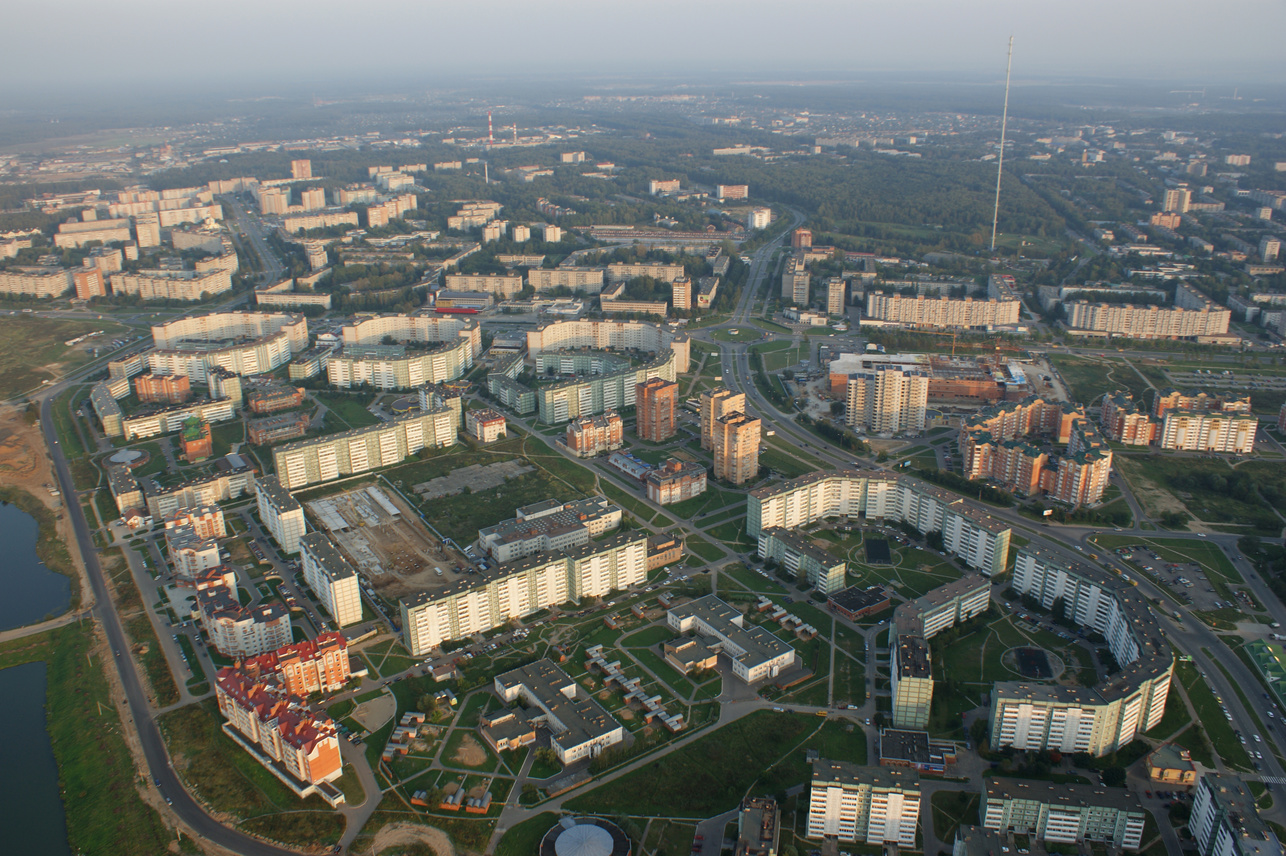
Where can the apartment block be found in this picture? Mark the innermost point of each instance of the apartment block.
(173, 417)
(592, 435)
(655, 402)
(319, 220)
(517, 589)
(243, 343)
(836, 294)
(863, 805)
(756, 654)
(275, 429)
(269, 398)
(589, 280)
(736, 448)
(1137, 321)
(207, 490)
(579, 727)
(942, 312)
(238, 631)
(675, 481)
(301, 169)
(668, 185)
(1219, 433)
(732, 191)
(971, 533)
(363, 449)
(660, 271)
(758, 218)
(280, 513)
(547, 526)
(205, 521)
(172, 284)
(798, 554)
(795, 281)
(189, 553)
(282, 733)
(611, 335)
(124, 487)
(504, 285)
(331, 578)
(162, 389)
(602, 382)
(485, 426)
(399, 367)
(1127, 421)
(42, 282)
(1064, 814)
(888, 400)
(715, 404)
(89, 283)
(312, 666)
(1100, 720)
(1225, 820)
(77, 234)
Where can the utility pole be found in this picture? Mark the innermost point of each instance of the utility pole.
(1000, 165)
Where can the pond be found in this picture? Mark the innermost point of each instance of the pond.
(32, 591)
(33, 820)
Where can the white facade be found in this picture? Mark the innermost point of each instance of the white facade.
(888, 401)
(363, 449)
(863, 805)
(281, 513)
(332, 579)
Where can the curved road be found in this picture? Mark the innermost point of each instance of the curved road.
(149, 735)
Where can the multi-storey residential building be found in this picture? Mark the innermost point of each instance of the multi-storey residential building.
(43, 282)
(668, 185)
(547, 526)
(756, 654)
(655, 403)
(611, 335)
(1126, 421)
(1065, 814)
(798, 554)
(281, 513)
(795, 281)
(1281, 419)
(1204, 431)
(269, 398)
(863, 805)
(682, 293)
(1225, 820)
(207, 490)
(164, 389)
(624, 271)
(836, 291)
(1100, 720)
(1176, 200)
(331, 578)
(592, 435)
(77, 234)
(312, 666)
(277, 727)
(189, 553)
(1166, 400)
(206, 521)
(736, 448)
(991, 449)
(416, 327)
(914, 623)
(124, 487)
(675, 481)
(170, 419)
(579, 727)
(1188, 319)
(980, 541)
(936, 312)
(397, 367)
(716, 403)
(89, 283)
(301, 169)
(274, 429)
(758, 218)
(504, 285)
(363, 449)
(244, 343)
(489, 600)
(238, 631)
(172, 284)
(611, 386)
(589, 280)
(318, 220)
(888, 401)
(732, 191)
(485, 426)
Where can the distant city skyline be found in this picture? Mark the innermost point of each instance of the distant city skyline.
(404, 45)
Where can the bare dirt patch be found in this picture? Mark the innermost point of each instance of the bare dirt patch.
(1155, 499)
(400, 834)
(469, 753)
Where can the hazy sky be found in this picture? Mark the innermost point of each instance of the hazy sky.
(408, 44)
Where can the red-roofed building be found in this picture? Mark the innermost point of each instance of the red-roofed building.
(314, 665)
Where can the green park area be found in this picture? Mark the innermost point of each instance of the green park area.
(1234, 497)
(349, 408)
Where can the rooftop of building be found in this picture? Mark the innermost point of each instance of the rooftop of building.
(335, 566)
(802, 544)
(1237, 801)
(915, 747)
(912, 654)
(583, 717)
(759, 644)
(551, 518)
(1062, 794)
(842, 772)
(359, 432)
(854, 598)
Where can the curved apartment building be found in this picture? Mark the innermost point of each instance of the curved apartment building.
(413, 328)
(615, 335)
(242, 343)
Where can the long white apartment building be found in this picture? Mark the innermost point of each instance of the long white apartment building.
(281, 513)
(43, 282)
(171, 419)
(506, 285)
(625, 271)
(914, 623)
(207, 490)
(980, 540)
(1096, 720)
(396, 367)
(936, 312)
(331, 578)
(243, 343)
(549, 525)
(888, 400)
(1193, 315)
(1209, 431)
(1064, 814)
(611, 335)
(489, 600)
(412, 328)
(863, 805)
(173, 284)
(363, 449)
(1225, 820)
(590, 280)
(756, 654)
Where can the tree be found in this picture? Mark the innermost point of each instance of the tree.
(546, 755)
(1114, 777)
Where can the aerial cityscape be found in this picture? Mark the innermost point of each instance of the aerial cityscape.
(715, 459)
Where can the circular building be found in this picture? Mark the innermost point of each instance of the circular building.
(585, 836)
(404, 405)
(132, 458)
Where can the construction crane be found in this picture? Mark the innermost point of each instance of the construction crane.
(952, 334)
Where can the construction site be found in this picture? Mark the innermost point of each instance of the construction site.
(980, 380)
(386, 541)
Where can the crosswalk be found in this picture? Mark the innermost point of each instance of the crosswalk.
(1273, 780)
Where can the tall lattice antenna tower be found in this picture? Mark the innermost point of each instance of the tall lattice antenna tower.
(1000, 163)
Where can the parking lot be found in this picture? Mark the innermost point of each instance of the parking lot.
(1187, 580)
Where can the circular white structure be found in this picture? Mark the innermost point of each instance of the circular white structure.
(584, 839)
(125, 456)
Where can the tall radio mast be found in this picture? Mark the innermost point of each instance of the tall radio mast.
(491, 139)
(1000, 165)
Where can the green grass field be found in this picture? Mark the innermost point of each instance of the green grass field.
(32, 350)
(348, 408)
